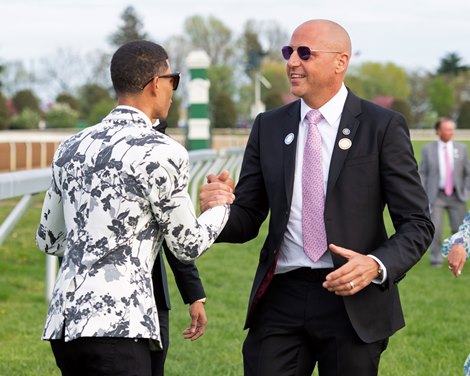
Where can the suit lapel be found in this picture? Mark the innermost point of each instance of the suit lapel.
(290, 131)
(345, 136)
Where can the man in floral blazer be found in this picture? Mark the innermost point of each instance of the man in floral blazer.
(118, 190)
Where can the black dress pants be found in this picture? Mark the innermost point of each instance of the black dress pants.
(299, 324)
(103, 356)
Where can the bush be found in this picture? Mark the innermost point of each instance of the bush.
(61, 116)
(100, 110)
(26, 119)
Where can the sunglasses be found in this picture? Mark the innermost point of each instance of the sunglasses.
(175, 77)
(303, 52)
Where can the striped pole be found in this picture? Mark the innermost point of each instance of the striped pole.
(199, 127)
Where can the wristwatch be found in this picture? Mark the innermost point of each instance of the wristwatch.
(380, 273)
(202, 300)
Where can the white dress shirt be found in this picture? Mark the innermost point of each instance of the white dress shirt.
(292, 254)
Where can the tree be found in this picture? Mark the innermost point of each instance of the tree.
(130, 29)
(275, 73)
(222, 107)
(371, 80)
(4, 113)
(252, 49)
(441, 96)
(26, 119)
(100, 110)
(463, 120)
(61, 116)
(451, 64)
(418, 100)
(90, 95)
(24, 99)
(212, 36)
(69, 99)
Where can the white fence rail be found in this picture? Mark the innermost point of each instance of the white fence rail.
(31, 182)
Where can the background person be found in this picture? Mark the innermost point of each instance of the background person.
(334, 305)
(191, 290)
(118, 190)
(445, 174)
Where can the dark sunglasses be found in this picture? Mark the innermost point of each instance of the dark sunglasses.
(303, 52)
(175, 77)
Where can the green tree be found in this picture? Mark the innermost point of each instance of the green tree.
(26, 119)
(130, 29)
(61, 116)
(252, 49)
(89, 96)
(463, 120)
(24, 99)
(69, 99)
(275, 73)
(371, 80)
(4, 113)
(211, 35)
(100, 110)
(441, 96)
(451, 64)
(221, 105)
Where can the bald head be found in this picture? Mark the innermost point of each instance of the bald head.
(329, 35)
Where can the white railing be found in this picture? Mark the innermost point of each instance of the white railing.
(31, 182)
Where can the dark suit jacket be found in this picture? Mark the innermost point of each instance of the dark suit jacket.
(379, 169)
(186, 275)
(186, 278)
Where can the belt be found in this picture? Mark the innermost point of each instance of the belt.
(306, 274)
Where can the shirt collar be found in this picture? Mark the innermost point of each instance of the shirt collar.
(331, 110)
(139, 112)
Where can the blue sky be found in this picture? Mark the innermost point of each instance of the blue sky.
(414, 34)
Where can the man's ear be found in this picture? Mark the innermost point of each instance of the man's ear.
(342, 63)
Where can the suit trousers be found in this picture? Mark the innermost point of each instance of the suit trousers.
(158, 357)
(298, 324)
(456, 210)
(103, 356)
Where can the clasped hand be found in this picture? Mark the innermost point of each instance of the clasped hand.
(217, 191)
(352, 277)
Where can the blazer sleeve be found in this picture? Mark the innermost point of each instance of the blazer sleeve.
(186, 277)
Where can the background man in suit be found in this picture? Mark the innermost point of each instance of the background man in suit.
(447, 185)
(191, 291)
(338, 304)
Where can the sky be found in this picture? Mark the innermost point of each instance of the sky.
(414, 34)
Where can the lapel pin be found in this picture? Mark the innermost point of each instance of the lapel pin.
(346, 131)
(289, 138)
(344, 143)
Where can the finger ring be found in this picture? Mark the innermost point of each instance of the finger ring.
(352, 285)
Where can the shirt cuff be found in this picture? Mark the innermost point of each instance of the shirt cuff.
(384, 274)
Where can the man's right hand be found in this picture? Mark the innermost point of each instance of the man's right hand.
(217, 191)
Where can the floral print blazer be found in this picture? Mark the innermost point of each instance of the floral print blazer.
(118, 189)
(462, 236)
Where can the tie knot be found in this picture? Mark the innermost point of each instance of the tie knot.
(314, 117)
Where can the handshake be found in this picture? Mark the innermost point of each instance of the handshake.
(217, 191)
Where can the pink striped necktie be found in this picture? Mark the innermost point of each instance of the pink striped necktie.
(313, 200)
(449, 182)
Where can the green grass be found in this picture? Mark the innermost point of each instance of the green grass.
(435, 341)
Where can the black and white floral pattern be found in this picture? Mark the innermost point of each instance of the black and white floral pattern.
(118, 189)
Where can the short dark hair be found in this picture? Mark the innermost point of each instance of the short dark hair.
(439, 121)
(136, 62)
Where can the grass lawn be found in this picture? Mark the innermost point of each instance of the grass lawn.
(435, 341)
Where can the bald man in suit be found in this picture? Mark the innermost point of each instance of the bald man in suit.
(338, 307)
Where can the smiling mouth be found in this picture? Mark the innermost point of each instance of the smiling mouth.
(294, 76)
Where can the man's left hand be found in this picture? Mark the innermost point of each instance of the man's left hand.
(198, 321)
(352, 277)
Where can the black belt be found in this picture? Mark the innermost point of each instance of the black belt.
(306, 274)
